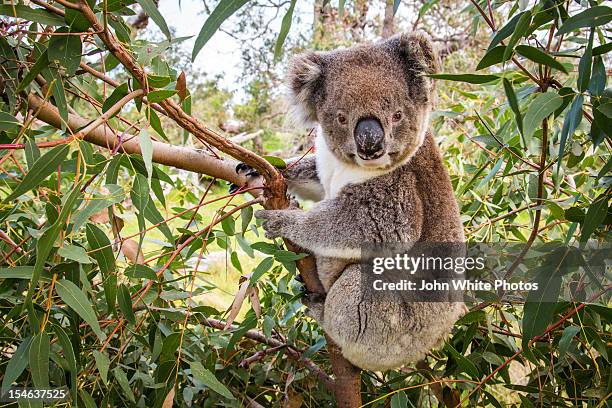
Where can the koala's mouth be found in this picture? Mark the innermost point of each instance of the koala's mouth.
(376, 163)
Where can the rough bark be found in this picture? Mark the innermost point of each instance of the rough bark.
(388, 28)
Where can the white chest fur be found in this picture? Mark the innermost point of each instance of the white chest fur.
(335, 174)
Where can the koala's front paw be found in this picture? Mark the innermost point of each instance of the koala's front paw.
(252, 177)
(275, 222)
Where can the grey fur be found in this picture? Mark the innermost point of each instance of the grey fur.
(407, 197)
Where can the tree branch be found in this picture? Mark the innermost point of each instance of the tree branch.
(180, 157)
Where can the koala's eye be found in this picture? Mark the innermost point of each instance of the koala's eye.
(397, 116)
(341, 119)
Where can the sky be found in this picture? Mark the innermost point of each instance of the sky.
(221, 55)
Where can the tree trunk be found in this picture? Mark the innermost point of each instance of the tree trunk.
(388, 28)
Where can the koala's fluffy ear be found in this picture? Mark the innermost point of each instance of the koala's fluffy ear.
(305, 81)
(418, 51)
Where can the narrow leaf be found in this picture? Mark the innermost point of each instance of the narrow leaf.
(570, 124)
(16, 364)
(469, 78)
(102, 363)
(224, 9)
(125, 303)
(540, 57)
(152, 11)
(539, 109)
(519, 31)
(566, 339)
(285, 25)
(101, 247)
(38, 15)
(207, 378)
(513, 103)
(42, 168)
(39, 360)
(66, 49)
(592, 17)
(77, 301)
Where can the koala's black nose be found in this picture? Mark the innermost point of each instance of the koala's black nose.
(369, 138)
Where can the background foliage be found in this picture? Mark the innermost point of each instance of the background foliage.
(138, 284)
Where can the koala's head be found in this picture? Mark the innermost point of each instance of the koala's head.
(372, 101)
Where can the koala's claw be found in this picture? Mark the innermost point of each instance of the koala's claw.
(252, 176)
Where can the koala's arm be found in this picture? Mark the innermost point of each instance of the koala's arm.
(337, 227)
(302, 179)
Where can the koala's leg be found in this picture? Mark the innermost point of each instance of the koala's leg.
(303, 180)
(329, 269)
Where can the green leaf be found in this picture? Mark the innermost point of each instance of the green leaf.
(140, 271)
(146, 150)
(18, 272)
(399, 400)
(152, 214)
(41, 63)
(32, 152)
(469, 78)
(513, 103)
(53, 78)
(124, 383)
(592, 17)
(207, 378)
(224, 10)
(246, 215)
(466, 365)
(152, 11)
(570, 124)
(276, 161)
(566, 339)
(396, 4)
(77, 301)
(539, 109)
(8, 122)
(263, 267)
(506, 30)
(492, 57)
(341, 4)
(540, 57)
(46, 241)
(41, 169)
(156, 123)
(16, 364)
(101, 247)
(74, 253)
(160, 95)
(493, 172)
(597, 84)
(158, 81)
(285, 25)
(125, 303)
(66, 49)
(519, 31)
(539, 307)
(602, 49)
(102, 363)
(595, 216)
(118, 93)
(37, 15)
(585, 64)
(39, 360)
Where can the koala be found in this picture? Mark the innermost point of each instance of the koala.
(377, 176)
